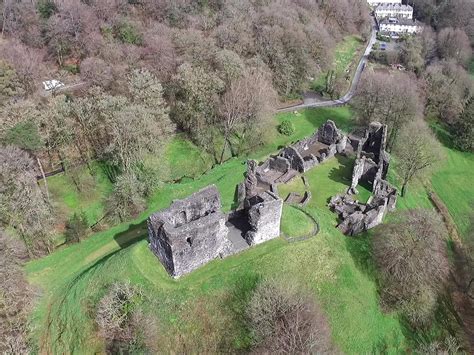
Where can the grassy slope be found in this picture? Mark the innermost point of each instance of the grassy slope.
(453, 181)
(325, 264)
(336, 268)
(67, 199)
(181, 159)
(344, 55)
(294, 223)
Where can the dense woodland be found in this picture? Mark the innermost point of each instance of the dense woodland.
(143, 71)
(213, 70)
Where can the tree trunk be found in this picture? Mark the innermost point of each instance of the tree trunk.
(4, 16)
(25, 241)
(44, 179)
(226, 143)
(85, 157)
(404, 188)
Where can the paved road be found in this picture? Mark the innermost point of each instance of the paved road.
(355, 80)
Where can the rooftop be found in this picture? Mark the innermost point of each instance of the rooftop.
(394, 7)
(400, 21)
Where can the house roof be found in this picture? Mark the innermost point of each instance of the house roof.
(400, 21)
(394, 7)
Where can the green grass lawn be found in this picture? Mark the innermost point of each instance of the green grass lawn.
(453, 182)
(207, 306)
(74, 278)
(345, 56)
(295, 185)
(67, 198)
(294, 223)
(182, 159)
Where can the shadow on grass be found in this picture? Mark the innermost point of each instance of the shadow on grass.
(238, 302)
(443, 135)
(360, 248)
(343, 172)
(133, 234)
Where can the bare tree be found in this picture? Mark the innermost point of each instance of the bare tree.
(286, 321)
(15, 296)
(120, 320)
(387, 98)
(96, 72)
(454, 44)
(22, 205)
(196, 107)
(27, 62)
(449, 88)
(245, 106)
(417, 152)
(411, 257)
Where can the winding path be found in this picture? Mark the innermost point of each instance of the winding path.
(355, 81)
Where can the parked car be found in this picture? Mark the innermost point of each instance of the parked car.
(50, 85)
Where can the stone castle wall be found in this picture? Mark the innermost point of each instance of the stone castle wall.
(264, 214)
(189, 233)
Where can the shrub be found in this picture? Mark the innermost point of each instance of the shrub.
(119, 318)
(283, 320)
(24, 135)
(127, 199)
(71, 68)
(76, 228)
(450, 345)
(287, 128)
(127, 33)
(46, 8)
(410, 254)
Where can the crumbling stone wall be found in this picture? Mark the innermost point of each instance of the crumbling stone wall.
(357, 217)
(294, 158)
(372, 159)
(371, 165)
(305, 154)
(189, 233)
(193, 231)
(328, 133)
(264, 216)
(281, 164)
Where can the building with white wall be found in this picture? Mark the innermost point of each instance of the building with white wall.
(380, 2)
(400, 25)
(394, 10)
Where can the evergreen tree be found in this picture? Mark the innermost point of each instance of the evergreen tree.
(76, 228)
(464, 129)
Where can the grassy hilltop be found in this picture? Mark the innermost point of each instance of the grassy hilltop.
(207, 306)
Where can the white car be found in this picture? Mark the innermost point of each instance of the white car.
(52, 85)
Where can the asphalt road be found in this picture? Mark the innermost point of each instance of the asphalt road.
(355, 80)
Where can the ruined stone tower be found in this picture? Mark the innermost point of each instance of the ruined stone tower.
(189, 233)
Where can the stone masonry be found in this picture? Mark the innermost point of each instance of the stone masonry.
(194, 231)
(264, 214)
(371, 166)
(189, 233)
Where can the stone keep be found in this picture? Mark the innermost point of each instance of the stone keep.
(189, 233)
(264, 215)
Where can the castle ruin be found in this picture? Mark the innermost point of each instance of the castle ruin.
(194, 231)
(371, 166)
(190, 233)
